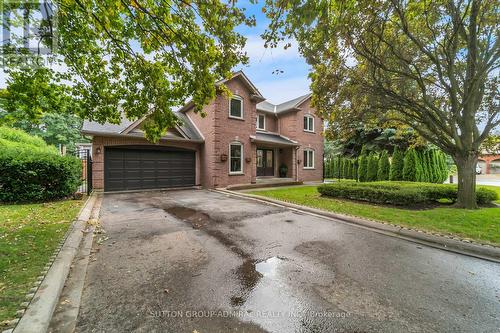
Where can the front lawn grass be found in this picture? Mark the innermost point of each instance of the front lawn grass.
(29, 234)
(482, 225)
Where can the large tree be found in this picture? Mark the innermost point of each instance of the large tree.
(142, 57)
(38, 102)
(432, 65)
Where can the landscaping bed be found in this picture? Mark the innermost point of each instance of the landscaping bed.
(29, 234)
(401, 193)
(481, 225)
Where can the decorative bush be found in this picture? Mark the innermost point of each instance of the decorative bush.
(362, 165)
(400, 193)
(34, 171)
(397, 163)
(431, 168)
(410, 171)
(371, 174)
(383, 166)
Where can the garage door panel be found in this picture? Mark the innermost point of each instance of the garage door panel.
(130, 169)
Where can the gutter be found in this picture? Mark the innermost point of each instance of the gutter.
(93, 133)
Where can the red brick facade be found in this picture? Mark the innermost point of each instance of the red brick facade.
(219, 130)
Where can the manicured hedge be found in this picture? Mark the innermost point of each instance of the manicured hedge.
(37, 176)
(400, 193)
(32, 171)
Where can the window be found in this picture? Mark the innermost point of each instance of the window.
(236, 107)
(261, 122)
(308, 123)
(308, 159)
(235, 158)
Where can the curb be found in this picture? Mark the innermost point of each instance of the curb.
(38, 314)
(450, 244)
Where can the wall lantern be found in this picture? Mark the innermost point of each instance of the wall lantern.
(223, 157)
(298, 161)
(248, 159)
(98, 150)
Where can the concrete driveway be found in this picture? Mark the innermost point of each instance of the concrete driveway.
(189, 260)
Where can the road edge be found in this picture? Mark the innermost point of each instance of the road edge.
(39, 312)
(489, 253)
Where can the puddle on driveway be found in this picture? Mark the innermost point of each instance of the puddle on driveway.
(269, 266)
(250, 272)
(196, 218)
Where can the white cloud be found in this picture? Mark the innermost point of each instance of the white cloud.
(258, 54)
(278, 90)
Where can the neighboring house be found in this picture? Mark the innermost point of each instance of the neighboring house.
(489, 163)
(241, 139)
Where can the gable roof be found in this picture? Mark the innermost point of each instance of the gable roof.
(255, 93)
(184, 131)
(291, 105)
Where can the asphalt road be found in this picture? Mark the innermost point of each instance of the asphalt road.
(182, 261)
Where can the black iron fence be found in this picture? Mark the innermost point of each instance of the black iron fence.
(85, 157)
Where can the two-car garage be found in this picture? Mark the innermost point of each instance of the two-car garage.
(148, 167)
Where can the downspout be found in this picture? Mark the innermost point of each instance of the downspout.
(296, 164)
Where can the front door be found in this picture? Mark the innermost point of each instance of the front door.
(265, 162)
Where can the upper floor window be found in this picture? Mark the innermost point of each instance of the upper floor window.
(236, 107)
(261, 122)
(308, 159)
(308, 123)
(235, 158)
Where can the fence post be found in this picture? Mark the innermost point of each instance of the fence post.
(89, 172)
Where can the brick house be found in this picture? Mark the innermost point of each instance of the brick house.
(242, 139)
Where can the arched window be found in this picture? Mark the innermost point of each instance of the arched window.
(235, 158)
(308, 123)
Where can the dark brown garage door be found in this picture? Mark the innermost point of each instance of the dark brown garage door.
(146, 168)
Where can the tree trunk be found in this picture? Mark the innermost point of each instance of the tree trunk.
(466, 166)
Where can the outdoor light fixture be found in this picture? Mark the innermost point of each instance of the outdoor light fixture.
(98, 150)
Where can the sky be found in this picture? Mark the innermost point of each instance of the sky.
(277, 88)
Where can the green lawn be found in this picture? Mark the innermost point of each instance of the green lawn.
(482, 224)
(29, 234)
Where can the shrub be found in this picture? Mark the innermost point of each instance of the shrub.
(410, 166)
(424, 165)
(485, 195)
(443, 167)
(355, 169)
(35, 172)
(383, 166)
(396, 172)
(431, 167)
(400, 193)
(345, 168)
(371, 174)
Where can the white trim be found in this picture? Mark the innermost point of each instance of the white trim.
(241, 159)
(308, 116)
(304, 162)
(257, 125)
(241, 100)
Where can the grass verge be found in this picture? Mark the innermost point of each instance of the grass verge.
(482, 225)
(29, 234)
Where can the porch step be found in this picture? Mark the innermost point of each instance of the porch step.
(264, 184)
